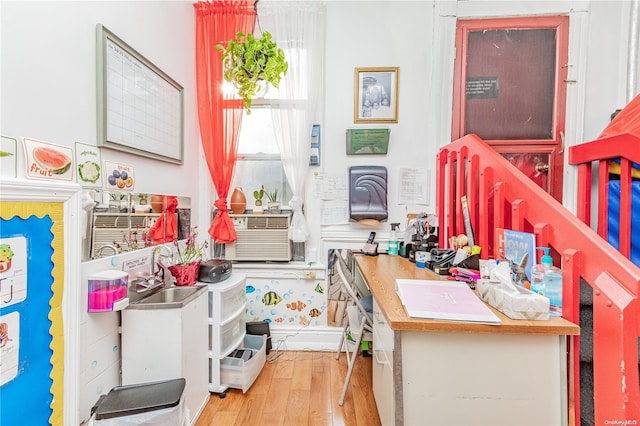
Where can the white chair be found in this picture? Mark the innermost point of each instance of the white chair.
(358, 327)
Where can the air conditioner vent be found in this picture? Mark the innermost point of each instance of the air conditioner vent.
(138, 221)
(261, 237)
(111, 221)
(267, 222)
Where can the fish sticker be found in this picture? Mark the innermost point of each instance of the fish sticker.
(271, 298)
(279, 319)
(315, 312)
(297, 306)
(304, 320)
(250, 289)
(319, 289)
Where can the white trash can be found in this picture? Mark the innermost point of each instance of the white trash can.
(155, 403)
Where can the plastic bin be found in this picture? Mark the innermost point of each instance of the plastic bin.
(224, 338)
(240, 374)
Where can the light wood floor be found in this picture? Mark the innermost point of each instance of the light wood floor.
(297, 389)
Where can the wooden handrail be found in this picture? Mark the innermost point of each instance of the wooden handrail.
(500, 196)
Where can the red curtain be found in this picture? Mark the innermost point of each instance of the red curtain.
(161, 231)
(219, 115)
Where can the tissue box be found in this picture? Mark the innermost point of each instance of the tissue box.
(521, 305)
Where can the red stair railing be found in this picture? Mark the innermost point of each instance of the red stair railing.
(626, 149)
(500, 196)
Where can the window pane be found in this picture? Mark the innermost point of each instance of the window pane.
(250, 174)
(256, 134)
(259, 158)
(510, 83)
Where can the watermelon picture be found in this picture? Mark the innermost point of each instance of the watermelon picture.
(49, 158)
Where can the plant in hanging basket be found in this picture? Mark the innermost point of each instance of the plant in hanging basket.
(248, 62)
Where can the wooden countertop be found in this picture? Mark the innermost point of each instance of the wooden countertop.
(380, 273)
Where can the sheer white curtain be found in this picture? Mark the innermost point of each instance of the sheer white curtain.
(299, 28)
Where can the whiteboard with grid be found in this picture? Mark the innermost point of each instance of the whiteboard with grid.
(140, 108)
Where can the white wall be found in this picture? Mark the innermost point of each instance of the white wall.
(48, 81)
(418, 37)
(377, 34)
(48, 88)
(48, 92)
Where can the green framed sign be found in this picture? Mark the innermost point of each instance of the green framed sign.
(368, 141)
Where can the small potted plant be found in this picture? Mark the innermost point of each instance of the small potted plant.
(258, 194)
(118, 202)
(187, 259)
(273, 205)
(249, 63)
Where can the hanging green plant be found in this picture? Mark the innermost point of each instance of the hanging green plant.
(248, 62)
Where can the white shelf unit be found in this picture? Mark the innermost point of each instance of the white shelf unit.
(227, 305)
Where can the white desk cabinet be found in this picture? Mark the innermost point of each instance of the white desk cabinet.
(383, 366)
(449, 373)
(163, 344)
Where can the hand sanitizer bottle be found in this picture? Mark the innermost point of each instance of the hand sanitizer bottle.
(546, 280)
(393, 240)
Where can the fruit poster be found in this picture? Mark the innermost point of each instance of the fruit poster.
(118, 177)
(47, 161)
(88, 166)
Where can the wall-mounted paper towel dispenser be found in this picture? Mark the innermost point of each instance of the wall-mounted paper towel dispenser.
(368, 193)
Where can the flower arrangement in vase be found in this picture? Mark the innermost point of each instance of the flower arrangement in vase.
(187, 259)
(130, 240)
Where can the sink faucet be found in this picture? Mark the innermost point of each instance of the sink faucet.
(162, 262)
(144, 283)
(159, 275)
(109, 246)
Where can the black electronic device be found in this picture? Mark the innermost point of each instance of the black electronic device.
(441, 260)
(371, 247)
(214, 270)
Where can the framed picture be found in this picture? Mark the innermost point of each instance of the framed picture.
(376, 95)
(145, 118)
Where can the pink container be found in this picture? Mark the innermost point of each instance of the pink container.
(105, 290)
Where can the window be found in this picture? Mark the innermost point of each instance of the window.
(258, 156)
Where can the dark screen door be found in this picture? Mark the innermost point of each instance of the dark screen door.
(510, 88)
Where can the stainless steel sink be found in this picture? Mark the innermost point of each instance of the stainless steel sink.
(169, 298)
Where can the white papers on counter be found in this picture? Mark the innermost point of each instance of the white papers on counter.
(443, 300)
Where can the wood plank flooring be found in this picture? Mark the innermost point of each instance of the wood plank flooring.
(299, 388)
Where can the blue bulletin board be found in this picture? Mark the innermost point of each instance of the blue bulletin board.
(31, 265)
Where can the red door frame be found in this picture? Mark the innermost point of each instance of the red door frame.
(555, 145)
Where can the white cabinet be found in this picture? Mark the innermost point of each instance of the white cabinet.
(227, 305)
(163, 344)
(383, 385)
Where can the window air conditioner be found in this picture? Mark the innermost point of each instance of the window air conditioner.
(261, 237)
(111, 228)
